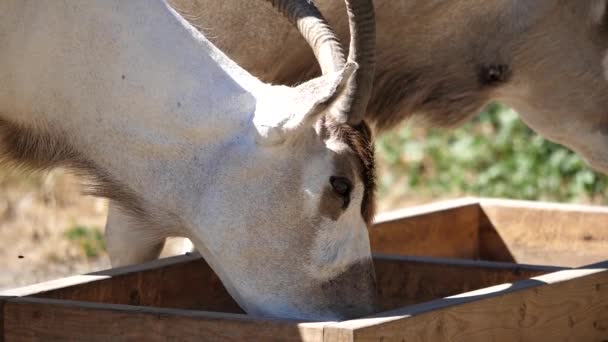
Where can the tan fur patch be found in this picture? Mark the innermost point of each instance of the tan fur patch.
(359, 140)
(605, 65)
(598, 10)
(330, 205)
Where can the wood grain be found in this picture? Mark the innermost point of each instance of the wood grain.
(3, 300)
(543, 233)
(491, 245)
(497, 230)
(36, 319)
(568, 305)
(183, 282)
(445, 229)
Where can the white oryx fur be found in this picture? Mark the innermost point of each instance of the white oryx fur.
(187, 143)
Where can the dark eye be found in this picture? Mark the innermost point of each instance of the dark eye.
(342, 186)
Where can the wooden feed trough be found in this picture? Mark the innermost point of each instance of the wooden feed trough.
(468, 277)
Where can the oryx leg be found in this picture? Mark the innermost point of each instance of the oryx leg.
(129, 241)
(177, 246)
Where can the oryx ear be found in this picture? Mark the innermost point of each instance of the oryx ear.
(286, 110)
(598, 11)
(313, 97)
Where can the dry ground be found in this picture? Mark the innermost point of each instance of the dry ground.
(36, 212)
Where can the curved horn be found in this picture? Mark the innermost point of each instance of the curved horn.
(315, 30)
(362, 50)
(352, 104)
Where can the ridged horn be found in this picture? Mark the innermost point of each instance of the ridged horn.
(315, 30)
(362, 50)
(350, 107)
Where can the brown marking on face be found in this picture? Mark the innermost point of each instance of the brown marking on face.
(359, 139)
(332, 203)
(36, 150)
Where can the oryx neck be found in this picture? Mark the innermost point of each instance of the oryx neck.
(127, 85)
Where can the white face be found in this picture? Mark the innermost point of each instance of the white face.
(335, 247)
(307, 255)
(297, 246)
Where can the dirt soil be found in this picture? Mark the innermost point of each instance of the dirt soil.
(36, 213)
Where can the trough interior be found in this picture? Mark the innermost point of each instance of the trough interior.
(498, 230)
(189, 283)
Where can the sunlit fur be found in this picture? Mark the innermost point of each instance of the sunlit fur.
(186, 143)
(441, 62)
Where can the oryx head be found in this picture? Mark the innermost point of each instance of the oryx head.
(295, 240)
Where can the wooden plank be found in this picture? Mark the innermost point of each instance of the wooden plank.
(37, 319)
(568, 305)
(443, 229)
(182, 282)
(3, 300)
(409, 280)
(153, 266)
(491, 245)
(543, 233)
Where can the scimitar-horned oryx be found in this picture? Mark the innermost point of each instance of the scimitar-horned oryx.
(273, 184)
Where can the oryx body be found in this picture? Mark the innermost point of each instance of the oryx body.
(272, 184)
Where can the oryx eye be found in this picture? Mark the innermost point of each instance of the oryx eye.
(342, 186)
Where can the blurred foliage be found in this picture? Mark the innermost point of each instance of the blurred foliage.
(495, 155)
(90, 239)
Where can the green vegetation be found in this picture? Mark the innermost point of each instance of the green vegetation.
(495, 155)
(90, 239)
